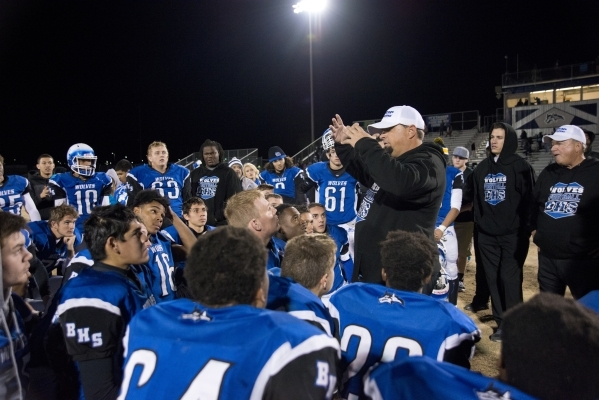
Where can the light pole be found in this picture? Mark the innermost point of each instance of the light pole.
(310, 6)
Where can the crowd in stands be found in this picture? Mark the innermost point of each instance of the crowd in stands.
(338, 279)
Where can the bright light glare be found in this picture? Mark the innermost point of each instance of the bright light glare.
(311, 6)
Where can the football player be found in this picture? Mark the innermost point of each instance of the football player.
(15, 194)
(83, 187)
(281, 356)
(383, 323)
(171, 180)
(284, 176)
(96, 304)
(290, 223)
(151, 208)
(307, 273)
(344, 265)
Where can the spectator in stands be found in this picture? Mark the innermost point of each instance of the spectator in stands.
(442, 128)
(251, 172)
(41, 193)
(569, 370)
(214, 182)
(125, 183)
(307, 273)
(284, 176)
(236, 165)
(290, 223)
(501, 189)
(274, 199)
(590, 137)
(564, 216)
(249, 209)
(409, 176)
(449, 130)
(15, 271)
(15, 194)
(540, 141)
(122, 168)
(407, 265)
(523, 139)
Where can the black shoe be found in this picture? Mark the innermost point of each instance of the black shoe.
(476, 307)
(496, 337)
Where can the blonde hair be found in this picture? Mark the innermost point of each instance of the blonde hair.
(253, 167)
(156, 144)
(240, 209)
(308, 258)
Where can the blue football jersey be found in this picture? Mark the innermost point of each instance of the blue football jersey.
(454, 181)
(162, 268)
(121, 193)
(84, 195)
(48, 250)
(380, 324)
(284, 294)
(591, 300)
(338, 194)
(284, 183)
(182, 349)
(11, 193)
(170, 184)
(276, 251)
(425, 378)
(21, 351)
(339, 235)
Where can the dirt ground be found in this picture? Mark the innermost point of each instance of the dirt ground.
(487, 353)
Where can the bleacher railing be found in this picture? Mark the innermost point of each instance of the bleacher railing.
(558, 73)
(309, 154)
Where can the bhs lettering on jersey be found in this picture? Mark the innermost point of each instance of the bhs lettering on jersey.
(83, 335)
(208, 186)
(495, 188)
(324, 379)
(7, 192)
(563, 200)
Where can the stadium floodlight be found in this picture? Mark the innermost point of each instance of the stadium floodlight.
(311, 6)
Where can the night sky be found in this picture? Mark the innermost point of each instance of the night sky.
(101, 72)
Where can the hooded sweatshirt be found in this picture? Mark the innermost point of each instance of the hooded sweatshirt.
(408, 196)
(501, 190)
(565, 212)
(38, 183)
(215, 186)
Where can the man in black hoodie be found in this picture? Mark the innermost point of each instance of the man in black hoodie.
(501, 191)
(214, 182)
(407, 178)
(42, 193)
(565, 216)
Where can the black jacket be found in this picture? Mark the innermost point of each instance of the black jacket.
(565, 211)
(501, 191)
(38, 183)
(410, 190)
(217, 186)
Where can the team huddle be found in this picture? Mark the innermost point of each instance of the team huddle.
(337, 281)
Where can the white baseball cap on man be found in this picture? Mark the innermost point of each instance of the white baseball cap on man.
(566, 132)
(404, 115)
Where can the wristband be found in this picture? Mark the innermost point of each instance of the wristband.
(442, 228)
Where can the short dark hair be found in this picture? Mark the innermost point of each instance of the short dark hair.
(312, 205)
(550, 348)
(10, 224)
(264, 187)
(302, 208)
(408, 259)
(212, 143)
(308, 258)
(282, 207)
(192, 201)
(59, 212)
(44, 156)
(147, 196)
(272, 196)
(226, 265)
(123, 165)
(271, 168)
(104, 222)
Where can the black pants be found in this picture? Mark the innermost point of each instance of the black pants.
(581, 276)
(503, 258)
(482, 294)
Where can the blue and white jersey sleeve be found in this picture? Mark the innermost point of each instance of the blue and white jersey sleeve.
(162, 268)
(12, 192)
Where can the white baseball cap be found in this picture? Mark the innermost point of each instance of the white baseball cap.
(566, 132)
(404, 115)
